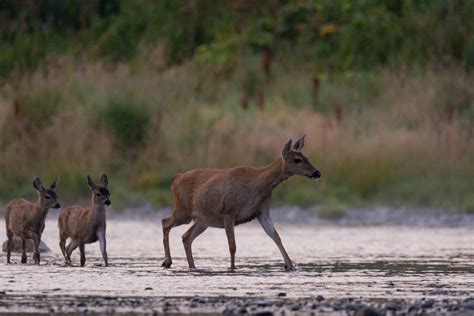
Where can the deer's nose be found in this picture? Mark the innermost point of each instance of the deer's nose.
(107, 202)
(57, 205)
(316, 174)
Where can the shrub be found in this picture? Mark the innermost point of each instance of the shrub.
(128, 119)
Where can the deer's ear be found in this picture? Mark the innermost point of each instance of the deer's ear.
(286, 150)
(90, 182)
(104, 181)
(54, 184)
(298, 146)
(37, 184)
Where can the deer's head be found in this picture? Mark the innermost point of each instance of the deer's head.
(100, 193)
(48, 196)
(294, 162)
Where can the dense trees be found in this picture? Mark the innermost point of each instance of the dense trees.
(337, 34)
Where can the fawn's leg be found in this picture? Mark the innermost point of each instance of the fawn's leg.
(73, 244)
(188, 237)
(23, 254)
(266, 221)
(103, 245)
(83, 254)
(9, 244)
(62, 245)
(229, 224)
(36, 241)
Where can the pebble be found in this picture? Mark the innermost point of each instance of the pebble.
(367, 311)
(428, 304)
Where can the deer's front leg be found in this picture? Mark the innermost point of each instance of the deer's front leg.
(9, 245)
(36, 240)
(83, 253)
(24, 259)
(229, 224)
(103, 246)
(267, 223)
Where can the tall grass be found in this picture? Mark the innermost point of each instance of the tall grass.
(404, 137)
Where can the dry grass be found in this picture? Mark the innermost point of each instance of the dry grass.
(396, 135)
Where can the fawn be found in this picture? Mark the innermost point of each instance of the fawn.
(26, 220)
(224, 198)
(85, 225)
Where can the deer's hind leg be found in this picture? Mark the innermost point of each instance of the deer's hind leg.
(73, 244)
(9, 244)
(62, 246)
(168, 223)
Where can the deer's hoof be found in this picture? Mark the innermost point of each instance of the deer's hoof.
(166, 263)
(289, 267)
(23, 258)
(36, 257)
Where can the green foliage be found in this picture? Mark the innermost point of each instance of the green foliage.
(468, 206)
(128, 119)
(332, 211)
(337, 34)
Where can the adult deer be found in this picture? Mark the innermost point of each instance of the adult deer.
(26, 219)
(227, 197)
(85, 225)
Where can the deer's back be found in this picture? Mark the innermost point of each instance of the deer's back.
(76, 222)
(20, 215)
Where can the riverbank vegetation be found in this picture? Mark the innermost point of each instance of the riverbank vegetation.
(142, 90)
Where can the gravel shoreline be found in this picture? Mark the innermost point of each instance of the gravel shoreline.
(62, 304)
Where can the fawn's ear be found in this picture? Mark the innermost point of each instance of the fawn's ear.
(54, 184)
(104, 181)
(37, 184)
(90, 182)
(298, 146)
(286, 150)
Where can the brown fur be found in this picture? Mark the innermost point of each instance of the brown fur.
(85, 225)
(26, 220)
(227, 197)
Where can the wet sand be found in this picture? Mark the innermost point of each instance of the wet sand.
(340, 269)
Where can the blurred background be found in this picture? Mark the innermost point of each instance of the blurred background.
(143, 89)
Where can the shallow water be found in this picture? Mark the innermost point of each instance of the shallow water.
(395, 262)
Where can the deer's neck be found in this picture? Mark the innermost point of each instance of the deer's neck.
(98, 212)
(41, 209)
(270, 177)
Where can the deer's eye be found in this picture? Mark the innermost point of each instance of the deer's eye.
(47, 197)
(99, 194)
(297, 160)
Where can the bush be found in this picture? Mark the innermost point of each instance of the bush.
(128, 119)
(39, 106)
(332, 211)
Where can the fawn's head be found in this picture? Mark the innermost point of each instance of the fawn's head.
(100, 193)
(294, 162)
(48, 196)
